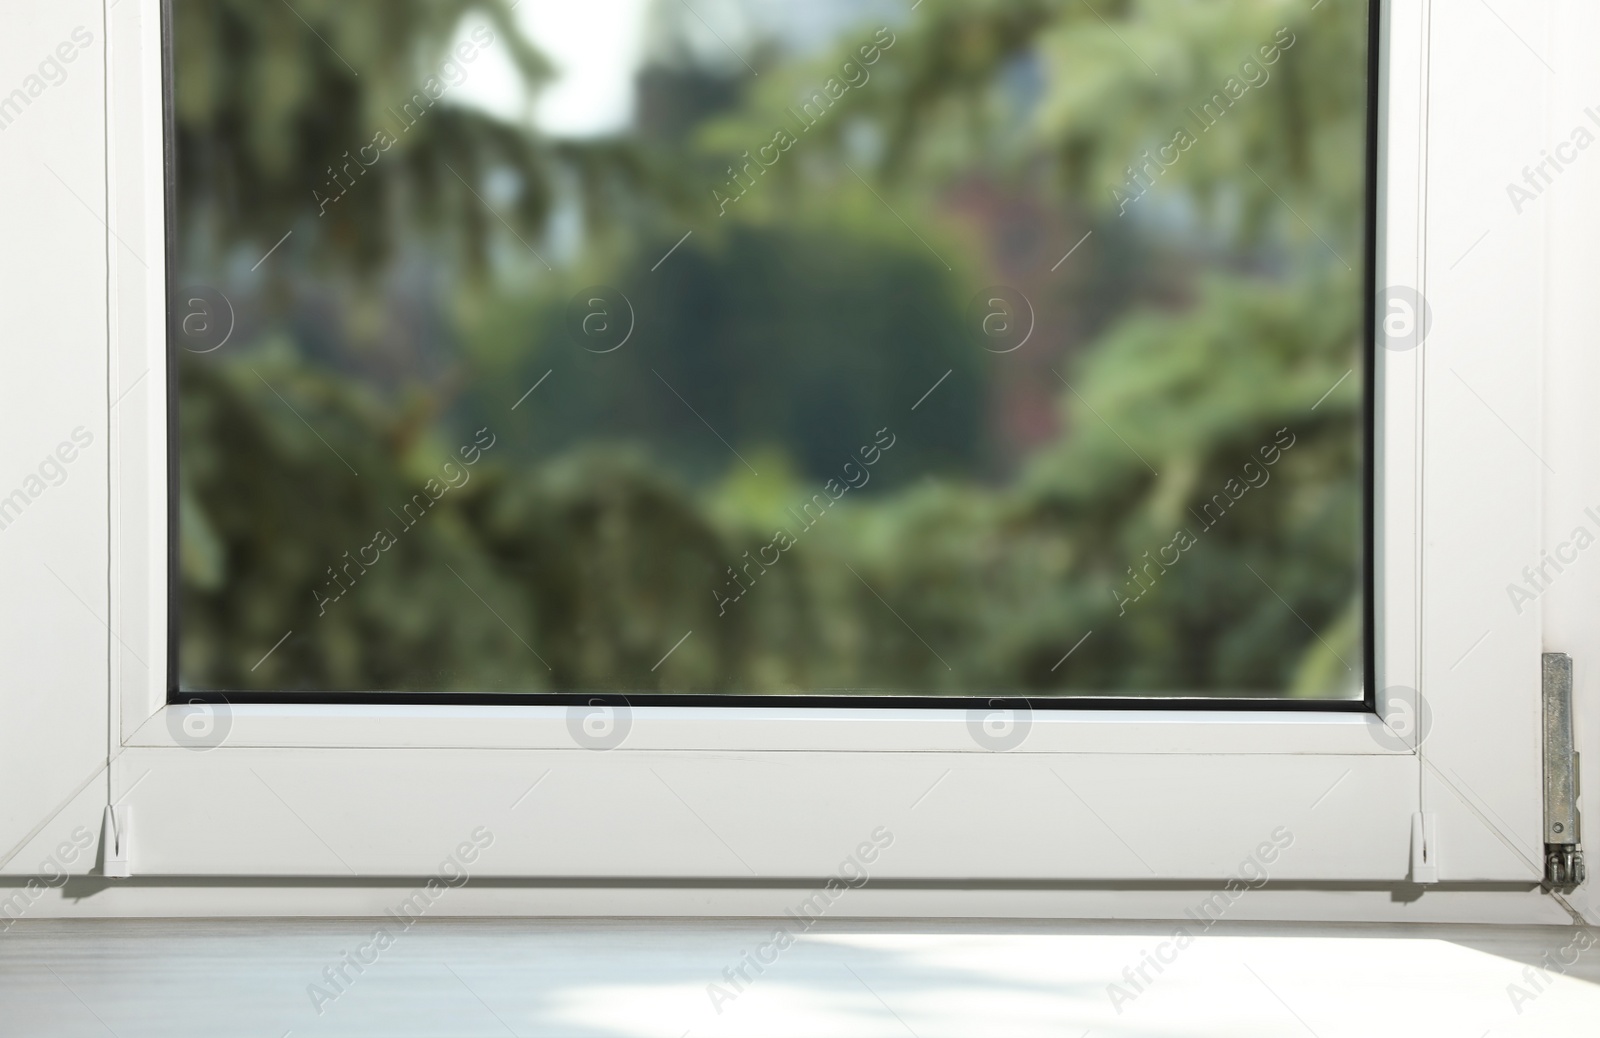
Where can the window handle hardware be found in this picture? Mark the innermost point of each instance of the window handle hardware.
(1563, 856)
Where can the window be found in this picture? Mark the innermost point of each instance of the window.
(827, 351)
(712, 802)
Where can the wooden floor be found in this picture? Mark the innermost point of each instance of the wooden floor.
(622, 979)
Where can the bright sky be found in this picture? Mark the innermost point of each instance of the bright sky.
(595, 46)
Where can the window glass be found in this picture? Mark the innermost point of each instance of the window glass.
(744, 347)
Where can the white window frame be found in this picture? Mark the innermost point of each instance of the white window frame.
(1103, 800)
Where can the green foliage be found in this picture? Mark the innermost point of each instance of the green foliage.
(588, 540)
(298, 531)
(782, 340)
(275, 103)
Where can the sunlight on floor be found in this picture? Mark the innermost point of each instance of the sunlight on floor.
(1020, 986)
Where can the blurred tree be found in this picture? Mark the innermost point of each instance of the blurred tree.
(1232, 332)
(785, 341)
(276, 102)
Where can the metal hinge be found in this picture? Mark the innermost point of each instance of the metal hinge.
(1563, 857)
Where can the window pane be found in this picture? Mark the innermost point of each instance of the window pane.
(738, 347)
